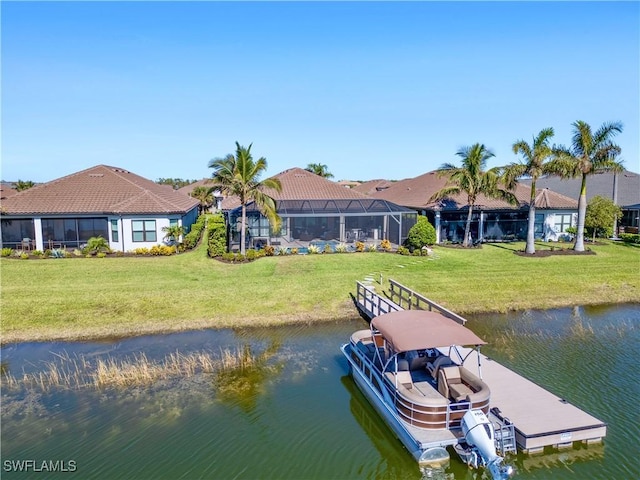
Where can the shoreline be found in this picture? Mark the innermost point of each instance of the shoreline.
(167, 328)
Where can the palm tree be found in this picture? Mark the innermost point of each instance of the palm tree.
(472, 179)
(21, 185)
(319, 169)
(590, 152)
(239, 175)
(205, 195)
(173, 232)
(534, 166)
(97, 244)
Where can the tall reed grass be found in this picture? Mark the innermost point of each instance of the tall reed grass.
(138, 370)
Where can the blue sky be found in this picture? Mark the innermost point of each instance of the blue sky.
(371, 89)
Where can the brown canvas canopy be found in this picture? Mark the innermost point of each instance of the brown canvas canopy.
(418, 329)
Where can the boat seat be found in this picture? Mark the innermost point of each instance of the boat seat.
(439, 362)
(404, 377)
(457, 390)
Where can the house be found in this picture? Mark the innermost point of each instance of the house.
(122, 207)
(316, 210)
(623, 188)
(493, 220)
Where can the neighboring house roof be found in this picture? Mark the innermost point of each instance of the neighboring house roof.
(299, 184)
(416, 193)
(7, 190)
(372, 186)
(187, 189)
(98, 190)
(597, 184)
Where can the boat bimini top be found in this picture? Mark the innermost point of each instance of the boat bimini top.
(409, 330)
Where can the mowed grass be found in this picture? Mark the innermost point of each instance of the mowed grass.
(84, 298)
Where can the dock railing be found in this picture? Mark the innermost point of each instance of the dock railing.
(371, 303)
(407, 299)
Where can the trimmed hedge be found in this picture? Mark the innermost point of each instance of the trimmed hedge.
(192, 238)
(217, 236)
(630, 237)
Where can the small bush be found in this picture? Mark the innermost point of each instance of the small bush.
(327, 249)
(403, 251)
(385, 245)
(421, 234)
(162, 250)
(359, 246)
(141, 251)
(37, 253)
(626, 238)
(283, 251)
(252, 255)
(341, 248)
(269, 250)
(313, 249)
(372, 247)
(24, 256)
(294, 251)
(47, 253)
(101, 254)
(7, 252)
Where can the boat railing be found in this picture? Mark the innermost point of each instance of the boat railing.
(371, 303)
(407, 299)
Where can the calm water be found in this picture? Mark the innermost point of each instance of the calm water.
(299, 415)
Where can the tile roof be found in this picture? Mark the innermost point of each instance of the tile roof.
(299, 184)
(98, 190)
(371, 186)
(598, 184)
(415, 193)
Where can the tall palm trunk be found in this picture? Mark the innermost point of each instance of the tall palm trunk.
(467, 227)
(243, 232)
(531, 239)
(582, 213)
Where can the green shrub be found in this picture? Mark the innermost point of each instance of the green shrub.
(372, 247)
(313, 249)
(7, 252)
(141, 251)
(283, 251)
(627, 238)
(421, 234)
(217, 236)
(327, 249)
(252, 254)
(192, 238)
(403, 251)
(24, 256)
(37, 253)
(47, 253)
(101, 254)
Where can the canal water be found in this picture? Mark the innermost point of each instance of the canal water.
(297, 414)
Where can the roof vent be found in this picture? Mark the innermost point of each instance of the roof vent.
(96, 174)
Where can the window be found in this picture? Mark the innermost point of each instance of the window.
(563, 221)
(115, 236)
(143, 230)
(173, 223)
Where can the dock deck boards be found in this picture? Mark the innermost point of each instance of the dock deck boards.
(540, 417)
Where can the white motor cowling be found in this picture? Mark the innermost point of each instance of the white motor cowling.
(479, 435)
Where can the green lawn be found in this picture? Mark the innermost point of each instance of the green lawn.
(93, 297)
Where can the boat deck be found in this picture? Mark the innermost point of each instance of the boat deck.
(540, 418)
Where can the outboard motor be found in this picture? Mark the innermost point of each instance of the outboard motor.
(480, 436)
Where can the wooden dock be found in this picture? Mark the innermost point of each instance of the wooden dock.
(541, 418)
